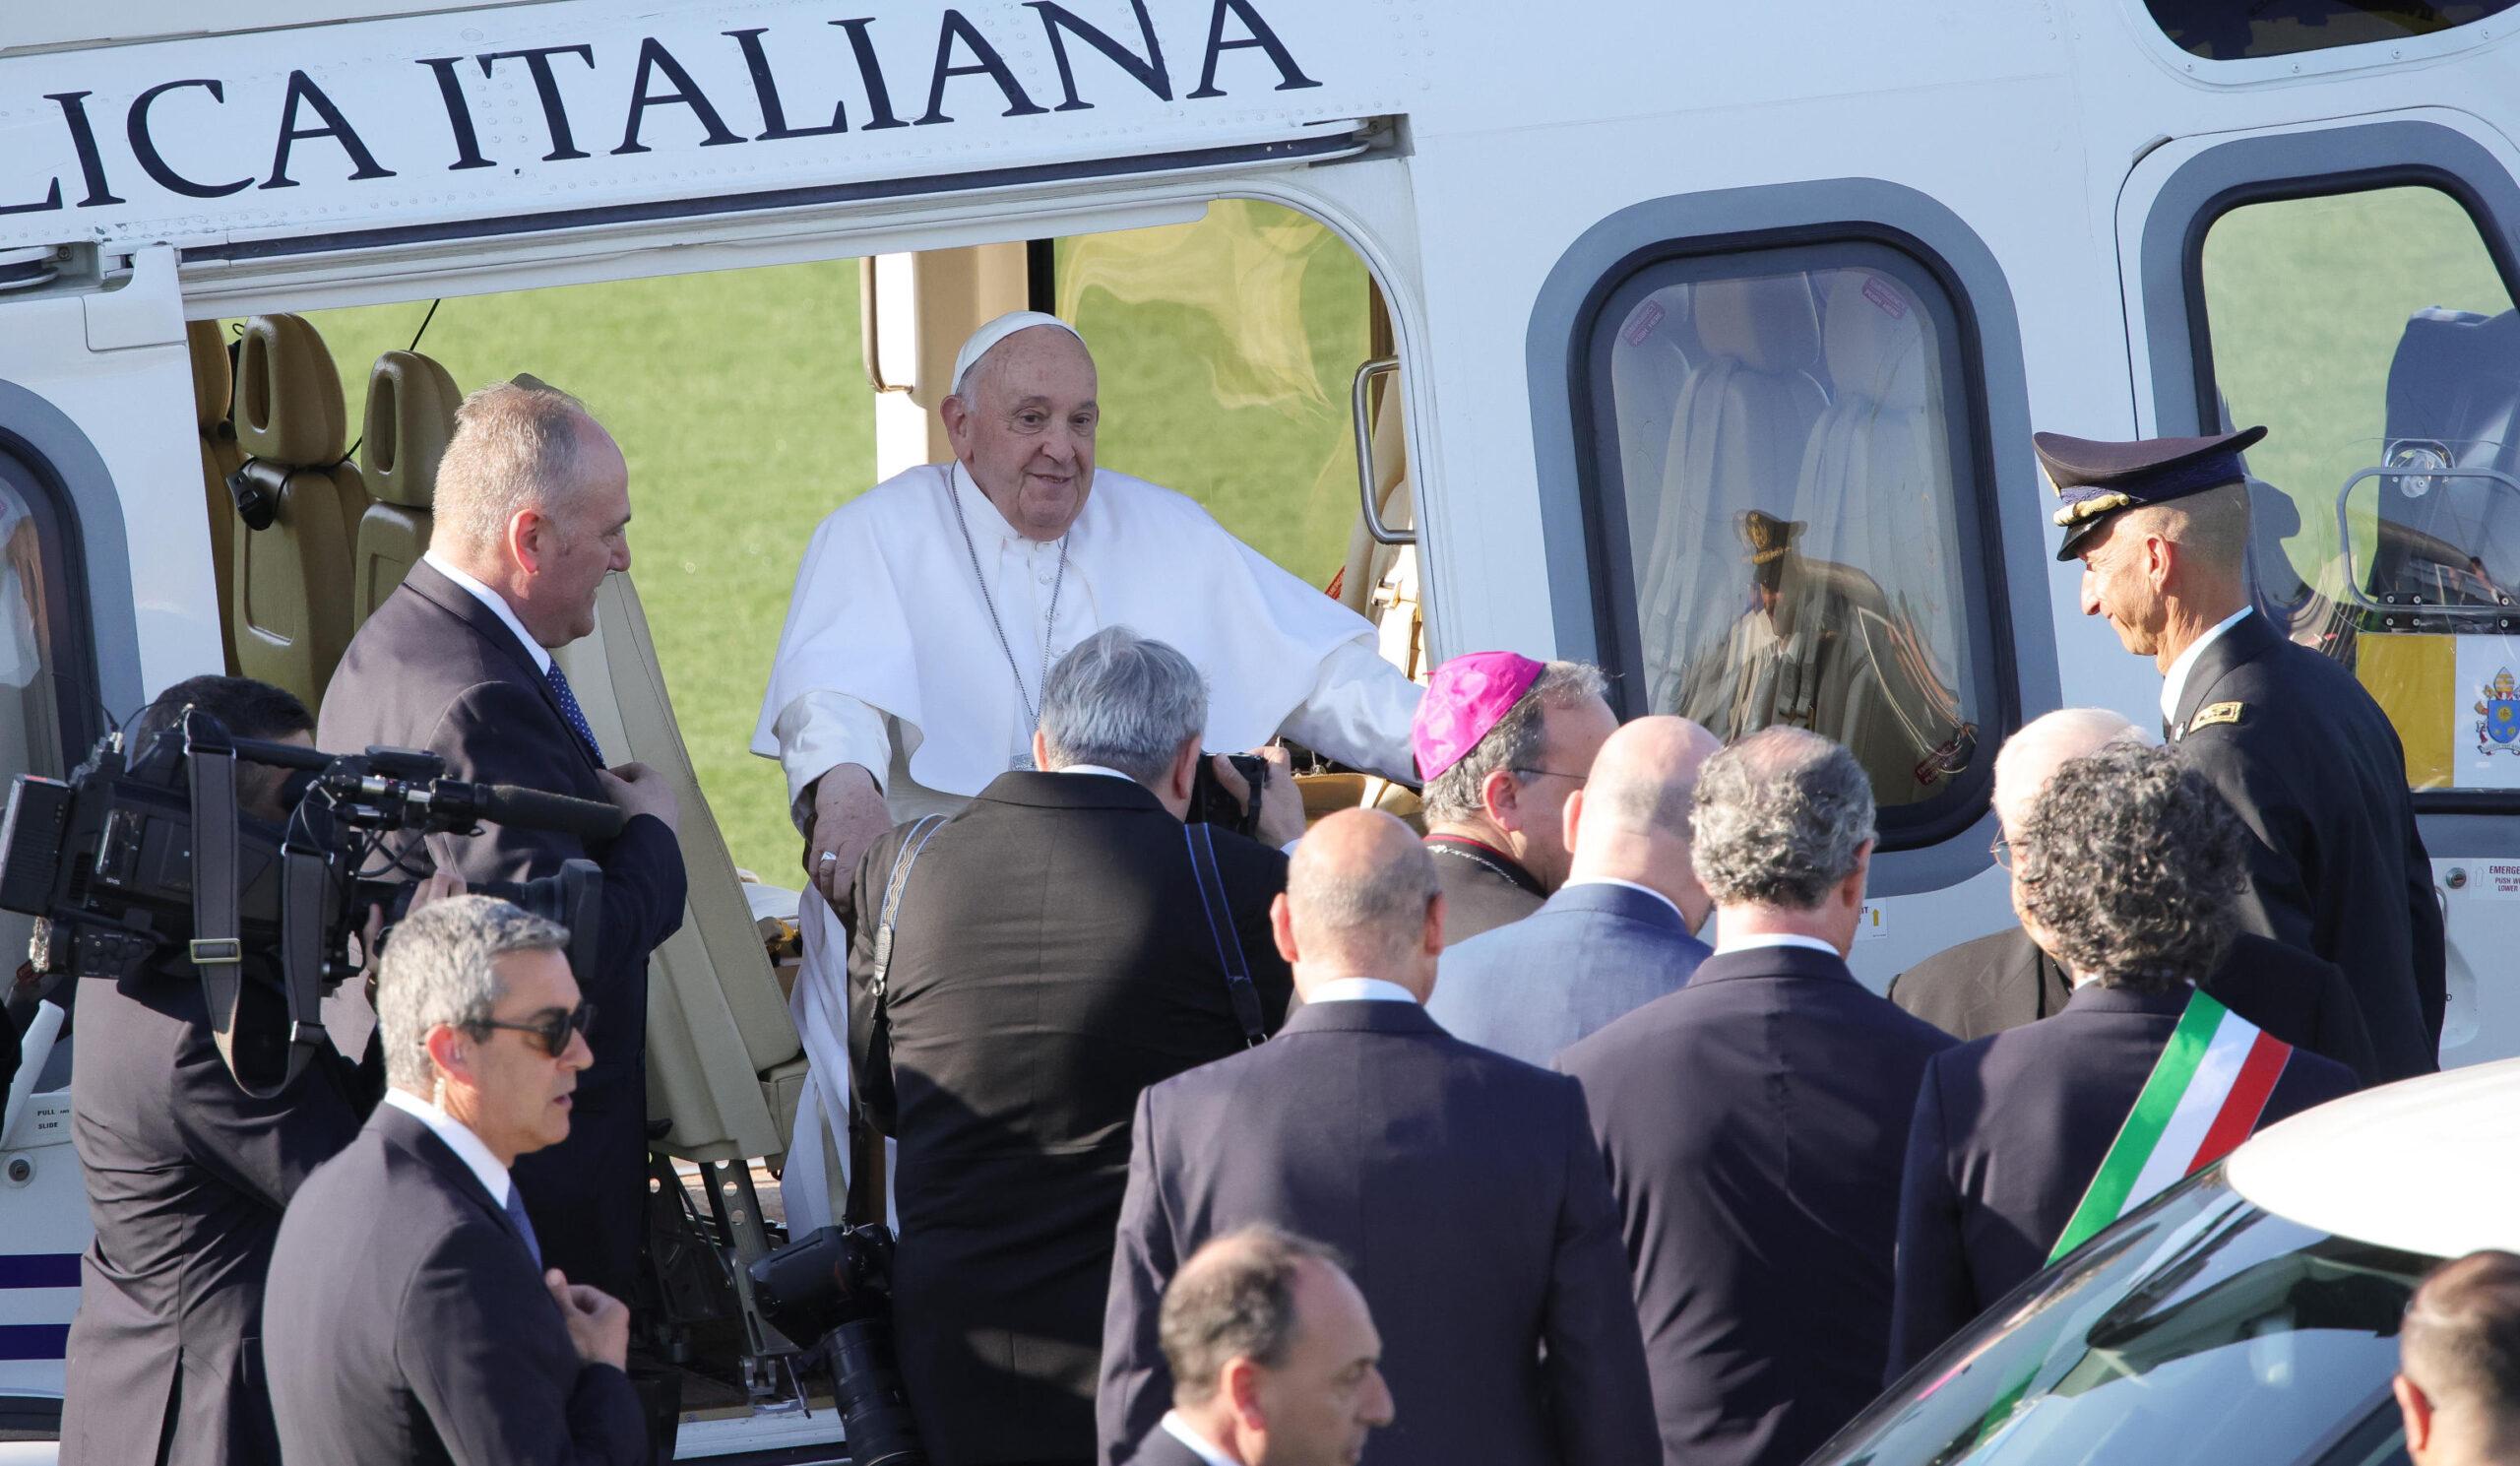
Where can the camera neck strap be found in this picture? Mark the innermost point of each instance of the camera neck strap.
(1229, 942)
(217, 947)
(867, 1159)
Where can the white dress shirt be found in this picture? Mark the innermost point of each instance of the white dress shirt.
(1613, 880)
(1359, 990)
(1092, 769)
(1749, 941)
(2174, 681)
(458, 1138)
(498, 606)
(1180, 1429)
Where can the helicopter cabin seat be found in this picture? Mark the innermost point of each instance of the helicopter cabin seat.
(213, 390)
(725, 1065)
(1738, 435)
(410, 417)
(300, 501)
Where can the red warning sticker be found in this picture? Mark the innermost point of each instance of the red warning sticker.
(1642, 321)
(1884, 294)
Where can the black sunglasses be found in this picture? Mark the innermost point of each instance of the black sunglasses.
(553, 1028)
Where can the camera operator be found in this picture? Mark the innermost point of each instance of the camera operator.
(532, 509)
(414, 1314)
(187, 1174)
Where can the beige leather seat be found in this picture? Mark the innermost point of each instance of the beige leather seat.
(293, 606)
(214, 387)
(723, 1061)
(411, 416)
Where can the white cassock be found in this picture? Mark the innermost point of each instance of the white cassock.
(891, 660)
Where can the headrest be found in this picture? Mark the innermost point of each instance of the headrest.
(1875, 341)
(411, 416)
(288, 398)
(1767, 325)
(214, 380)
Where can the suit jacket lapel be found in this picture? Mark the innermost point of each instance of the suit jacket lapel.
(406, 1132)
(429, 584)
(2250, 638)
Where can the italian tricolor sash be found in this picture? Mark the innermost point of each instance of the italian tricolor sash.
(2204, 1097)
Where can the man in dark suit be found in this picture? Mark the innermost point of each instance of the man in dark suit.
(2336, 866)
(1503, 742)
(1619, 933)
(1753, 1121)
(2130, 864)
(1464, 1186)
(186, 1173)
(1991, 983)
(532, 512)
(411, 1315)
(1273, 1358)
(1053, 954)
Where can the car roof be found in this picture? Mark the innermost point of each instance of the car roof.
(2423, 1165)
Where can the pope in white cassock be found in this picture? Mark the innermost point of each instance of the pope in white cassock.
(930, 610)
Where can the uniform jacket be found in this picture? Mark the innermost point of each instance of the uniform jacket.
(1590, 953)
(1463, 1188)
(409, 1324)
(1049, 961)
(2004, 981)
(2337, 867)
(1483, 887)
(2010, 1130)
(1752, 1122)
(187, 1175)
(434, 669)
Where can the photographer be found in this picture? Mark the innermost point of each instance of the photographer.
(1053, 956)
(187, 1174)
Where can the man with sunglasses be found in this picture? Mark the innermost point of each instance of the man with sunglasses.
(410, 1317)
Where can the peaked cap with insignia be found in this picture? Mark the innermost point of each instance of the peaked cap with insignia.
(2095, 480)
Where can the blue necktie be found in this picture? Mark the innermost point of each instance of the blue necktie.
(524, 1226)
(570, 710)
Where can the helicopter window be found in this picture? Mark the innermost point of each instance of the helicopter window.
(34, 681)
(1793, 483)
(2374, 337)
(2237, 29)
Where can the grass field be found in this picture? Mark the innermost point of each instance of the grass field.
(739, 401)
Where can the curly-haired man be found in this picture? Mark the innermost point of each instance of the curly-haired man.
(2126, 871)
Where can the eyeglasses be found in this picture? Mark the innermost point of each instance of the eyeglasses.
(2001, 849)
(1580, 779)
(552, 1027)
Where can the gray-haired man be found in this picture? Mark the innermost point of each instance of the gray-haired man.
(1053, 955)
(409, 1315)
(1753, 1121)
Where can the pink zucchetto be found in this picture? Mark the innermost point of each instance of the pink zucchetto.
(1466, 698)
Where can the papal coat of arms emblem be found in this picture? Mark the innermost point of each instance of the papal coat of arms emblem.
(2498, 729)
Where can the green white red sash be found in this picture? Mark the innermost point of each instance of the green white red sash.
(2204, 1097)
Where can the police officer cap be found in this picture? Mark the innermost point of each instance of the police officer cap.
(2095, 480)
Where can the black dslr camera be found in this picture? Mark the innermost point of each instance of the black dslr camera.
(147, 861)
(837, 1285)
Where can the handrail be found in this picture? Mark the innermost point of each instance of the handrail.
(1361, 401)
(2345, 542)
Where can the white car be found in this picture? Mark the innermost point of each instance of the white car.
(2249, 1314)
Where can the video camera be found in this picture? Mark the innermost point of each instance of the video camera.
(148, 860)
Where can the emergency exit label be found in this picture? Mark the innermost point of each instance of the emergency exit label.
(2499, 879)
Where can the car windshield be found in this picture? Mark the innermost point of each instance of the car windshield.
(2200, 1329)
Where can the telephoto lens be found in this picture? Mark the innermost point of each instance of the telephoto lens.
(837, 1285)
